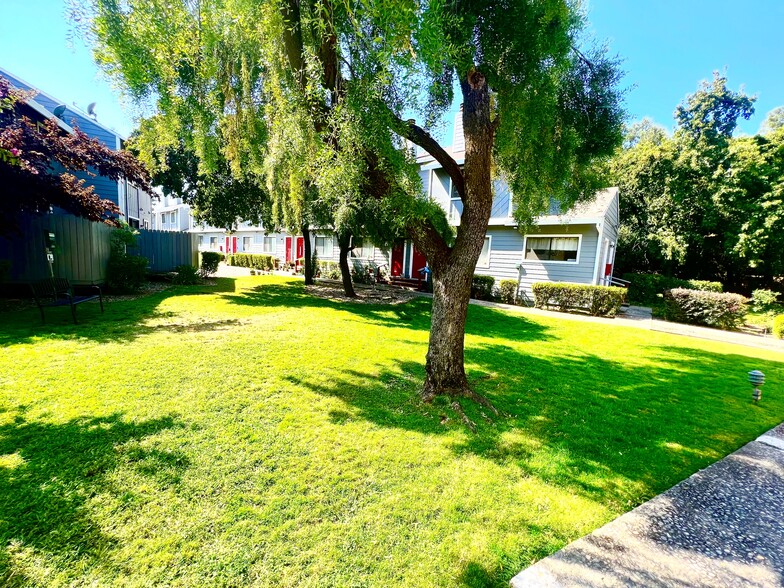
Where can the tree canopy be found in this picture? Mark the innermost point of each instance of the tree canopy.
(313, 97)
(700, 203)
(38, 162)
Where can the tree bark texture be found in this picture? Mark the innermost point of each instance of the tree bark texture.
(309, 269)
(453, 269)
(344, 243)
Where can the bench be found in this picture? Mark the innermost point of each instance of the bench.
(59, 292)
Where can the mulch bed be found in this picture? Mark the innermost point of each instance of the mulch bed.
(365, 294)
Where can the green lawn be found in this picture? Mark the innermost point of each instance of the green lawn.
(252, 435)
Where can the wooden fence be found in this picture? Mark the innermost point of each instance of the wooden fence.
(81, 251)
(166, 249)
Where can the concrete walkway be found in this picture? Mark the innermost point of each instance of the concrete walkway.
(637, 317)
(723, 526)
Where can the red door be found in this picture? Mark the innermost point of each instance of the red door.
(397, 260)
(228, 245)
(418, 263)
(300, 247)
(288, 250)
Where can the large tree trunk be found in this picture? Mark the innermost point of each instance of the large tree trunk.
(453, 269)
(309, 269)
(344, 242)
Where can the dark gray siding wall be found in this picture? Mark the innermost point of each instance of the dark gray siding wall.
(81, 252)
(506, 255)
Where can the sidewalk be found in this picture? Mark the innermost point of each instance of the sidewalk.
(723, 526)
(637, 317)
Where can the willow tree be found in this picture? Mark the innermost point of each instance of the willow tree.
(320, 95)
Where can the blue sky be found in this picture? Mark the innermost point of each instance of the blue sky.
(668, 46)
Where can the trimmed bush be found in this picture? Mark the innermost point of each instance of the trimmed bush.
(126, 273)
(209, 263)
(778, 326)
(704, 285)
(647, 287)
(698, 307)
(507, 291)
(186, 275)
(255, 261)
(764, 300)
(597, 300)
(329, 270)
(482, 287)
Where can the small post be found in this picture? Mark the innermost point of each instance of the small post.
(757, 379)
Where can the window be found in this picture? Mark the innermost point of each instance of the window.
(455, 205)
(201, 240)
(552, 248)
(213, 242)
(163, 219)
(268, 245)
(484, 257)
(246, 243)
(173, 216)
(363, 249)
(324, 246)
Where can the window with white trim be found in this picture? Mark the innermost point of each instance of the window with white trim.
(213, 242)
(268, 245)
(201, 240)
(455, 204)
(484, 257)
(247, 242)
(363, 249)
(324, 246)
(557, 248)
(173, 220)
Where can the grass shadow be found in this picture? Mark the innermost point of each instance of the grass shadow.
(49, 472)
(123, 320)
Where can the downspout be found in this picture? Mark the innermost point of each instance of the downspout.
(599, 245)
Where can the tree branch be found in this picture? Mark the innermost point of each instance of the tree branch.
(421, 137)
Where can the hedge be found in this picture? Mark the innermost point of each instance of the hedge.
(482, 287)
(647, 287)
(507, 291)
(252, 260)
(597, 300)
(778, 326)
(698, 307)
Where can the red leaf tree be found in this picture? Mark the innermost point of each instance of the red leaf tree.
(39, 160)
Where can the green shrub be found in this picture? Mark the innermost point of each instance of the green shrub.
(778, 326)
(704, 285)
(597, 300)
(482, 287)
(5, 269)
(507, 291)
(764, 300)
(329, 270)
(209, 263)
(263, 262)
(647, 287)
(186, 275)
(125, 273)
(698, 307)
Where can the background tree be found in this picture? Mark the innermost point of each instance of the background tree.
(314, 94)
(773, 121)
(701, 203)
(38, 163)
